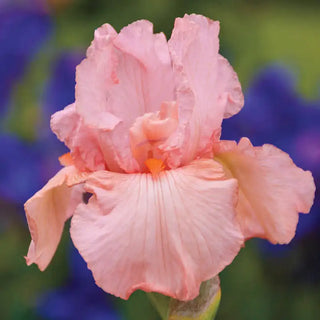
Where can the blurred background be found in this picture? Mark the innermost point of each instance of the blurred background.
(273, 45)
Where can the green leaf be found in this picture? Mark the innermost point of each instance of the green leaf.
(204, 307)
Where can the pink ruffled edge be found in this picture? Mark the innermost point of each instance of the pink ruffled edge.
(142, 70)
(166, 235)
(272, 189)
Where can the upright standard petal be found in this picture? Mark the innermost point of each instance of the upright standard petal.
(272, 190)
(93, 77)
(123, 77)
(165, 234)
(47, 212)
(194, 47)
(151, 52)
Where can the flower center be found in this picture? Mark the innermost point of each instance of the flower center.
(155, 166)
(148, 135)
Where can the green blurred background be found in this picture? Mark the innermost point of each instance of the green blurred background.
(254, 34)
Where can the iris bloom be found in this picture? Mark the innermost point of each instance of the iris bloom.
(171, 203)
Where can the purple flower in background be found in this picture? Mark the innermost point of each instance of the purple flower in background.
(23, 30)
(275, 113)
(60, 89)
(26, 166)
(19, 170)
(79, 299)
(59, 92)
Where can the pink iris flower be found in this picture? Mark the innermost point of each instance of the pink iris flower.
(171, 203)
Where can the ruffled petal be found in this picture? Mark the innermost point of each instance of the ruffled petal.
(90, 150)
(166, 234)
(47, 212)
(272, 189)
(93, 77)
(231, 96)
(214, 90)
(123, 77)
(151, 52)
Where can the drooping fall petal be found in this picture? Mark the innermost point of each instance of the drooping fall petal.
(272, 189)
(167, 234)
(47, 212)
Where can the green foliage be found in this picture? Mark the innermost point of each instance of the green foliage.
(253, 33)
(204, 307)
(25, 109)
(21, 285)
(265, 33)
(251, 291)
(137, 306)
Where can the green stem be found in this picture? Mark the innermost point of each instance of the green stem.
(161, 303)
(203, 307)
